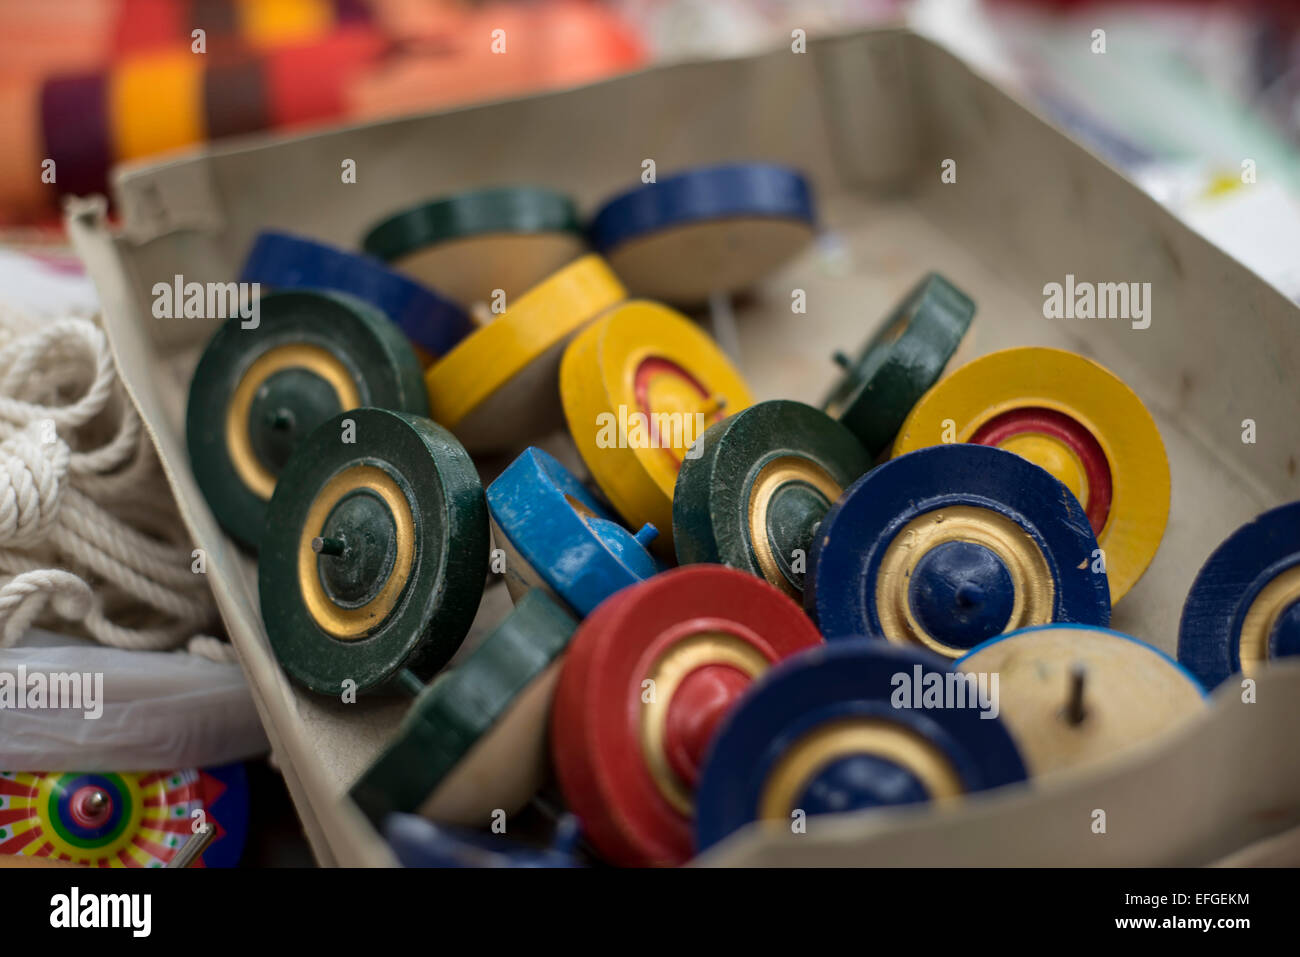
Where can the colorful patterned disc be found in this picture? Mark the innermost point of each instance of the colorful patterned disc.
(112, 819)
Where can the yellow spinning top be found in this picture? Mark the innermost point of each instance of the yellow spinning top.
(1077, 420)
(496, 388)
(639, 386)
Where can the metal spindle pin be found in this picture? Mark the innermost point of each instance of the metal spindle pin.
(327, 546)
(410, 682)
(712, 405)
(96, 801)
(723, 321)
(1075, 711)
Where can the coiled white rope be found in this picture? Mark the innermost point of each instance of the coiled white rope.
(74, 470)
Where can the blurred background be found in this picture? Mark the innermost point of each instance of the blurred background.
(1186, 91)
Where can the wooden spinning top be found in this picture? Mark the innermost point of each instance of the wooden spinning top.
(1243, 610)
(951, 546)
(649, 675)
(375, 553)
(1074, 696)
(497, 389)
(709, 230)
(639, 386)
(470, 244)
(759, 488)
(475, 739)
(898, 364)
(847, 727)
(558, 537)
(258, 392)
(431, 322)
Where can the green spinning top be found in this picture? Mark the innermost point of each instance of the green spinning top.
(375, 552)
(754, 489)
(475, 739)
(261, 388)
(900, 362)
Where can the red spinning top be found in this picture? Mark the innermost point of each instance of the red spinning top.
(647, 679)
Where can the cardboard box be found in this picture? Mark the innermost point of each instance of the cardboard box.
(870, 117)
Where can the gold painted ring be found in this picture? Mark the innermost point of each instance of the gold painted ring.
(827, 743)
(1033, 592)
(1273, 601)
(850, 726)
(1243, 609)
(298, 355)
(331, 616)
(713, 648)
(771, 479)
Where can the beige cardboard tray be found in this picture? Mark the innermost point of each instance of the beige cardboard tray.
(870, 117)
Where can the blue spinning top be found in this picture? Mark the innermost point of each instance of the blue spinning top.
(421, 843)
(849, 727)
(432, 322)
(708, 230)
(558, 537)
(950, 546)
(1244, 608)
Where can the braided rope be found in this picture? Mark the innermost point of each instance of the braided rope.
(72, 455)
